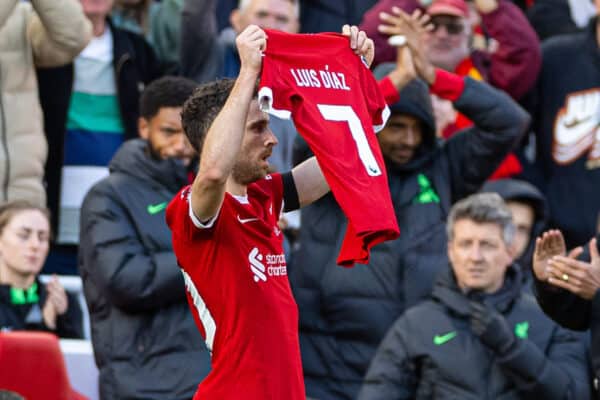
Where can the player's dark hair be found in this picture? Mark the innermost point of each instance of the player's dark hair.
(168, 91)
(200, 110)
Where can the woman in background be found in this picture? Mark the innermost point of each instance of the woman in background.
(26, 303)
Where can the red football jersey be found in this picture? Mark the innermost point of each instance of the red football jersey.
(237, 287)
(335, 103)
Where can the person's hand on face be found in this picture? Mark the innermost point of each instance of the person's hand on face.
(578, 277)
(251, 42)
(360, 43)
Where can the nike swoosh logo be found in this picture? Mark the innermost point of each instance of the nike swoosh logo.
(441, 339)
(156, 208)
(575, 122)
(244, 220)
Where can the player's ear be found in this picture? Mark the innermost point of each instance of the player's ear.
(143, 128)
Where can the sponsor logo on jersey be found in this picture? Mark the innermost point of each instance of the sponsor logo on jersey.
(264, 266)
(576, 130)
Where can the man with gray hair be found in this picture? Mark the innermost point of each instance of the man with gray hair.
(478, 336)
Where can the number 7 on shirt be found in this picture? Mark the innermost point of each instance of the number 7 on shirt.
(346, 114)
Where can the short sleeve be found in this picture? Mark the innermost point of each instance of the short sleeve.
(180, 218)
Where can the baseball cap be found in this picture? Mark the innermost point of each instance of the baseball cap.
(457, 8)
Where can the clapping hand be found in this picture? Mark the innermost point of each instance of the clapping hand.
(578, 277)
(491, 327)
(56, 302)
(413, 27)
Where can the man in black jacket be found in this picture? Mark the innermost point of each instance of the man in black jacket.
(344, 313)
(478, 336)
(145, 341)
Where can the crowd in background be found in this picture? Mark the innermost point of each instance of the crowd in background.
(92, 150)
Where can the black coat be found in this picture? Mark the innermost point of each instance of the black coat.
(145, 340)
(345, 312)
(418, 360)
(135, 66)
(29, 316)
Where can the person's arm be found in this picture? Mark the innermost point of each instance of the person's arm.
(516, 62)
(58, 31)
(392, 374)
(6, 9)
(199, 50)
(114, 261)
(224, 137)
(499, 123)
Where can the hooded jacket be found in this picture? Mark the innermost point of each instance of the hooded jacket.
(431, 352)
(521, 191)
(344, 313)
(146, 343)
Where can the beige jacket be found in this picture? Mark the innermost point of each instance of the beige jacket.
(40, 33)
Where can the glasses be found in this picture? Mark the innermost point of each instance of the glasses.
(452, 27)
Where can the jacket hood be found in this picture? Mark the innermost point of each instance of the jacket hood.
(135, 159)
(447, 292)
(514, 189)
(416, 102)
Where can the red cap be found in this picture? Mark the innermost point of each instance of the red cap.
(458, 8)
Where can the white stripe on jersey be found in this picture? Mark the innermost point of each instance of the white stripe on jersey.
(206, 318)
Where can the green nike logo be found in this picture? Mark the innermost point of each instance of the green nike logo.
(441, 339)
(156, 208)
(521, 330)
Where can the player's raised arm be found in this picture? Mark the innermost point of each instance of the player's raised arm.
(224, 137)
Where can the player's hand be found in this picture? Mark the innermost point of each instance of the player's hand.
(251, 42)
(360, 43)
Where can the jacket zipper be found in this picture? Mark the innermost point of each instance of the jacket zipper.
(5, 180)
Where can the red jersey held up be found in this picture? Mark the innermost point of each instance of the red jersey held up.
(335, 103)
(236, 278)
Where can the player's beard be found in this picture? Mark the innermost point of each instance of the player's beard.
(246, 172)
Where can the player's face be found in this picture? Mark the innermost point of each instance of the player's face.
(165, 135)
(478, 255)
(24, 242)
(257, 146)
(448, 44)
(268, 14)
(400, 138)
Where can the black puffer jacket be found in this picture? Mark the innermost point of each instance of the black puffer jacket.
(431, 352)
(145, 341)
(344, 313)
